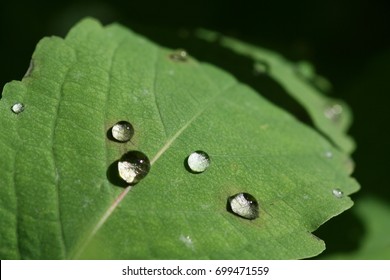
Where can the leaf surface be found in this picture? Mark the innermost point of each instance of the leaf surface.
(60, 197)
(330, 116)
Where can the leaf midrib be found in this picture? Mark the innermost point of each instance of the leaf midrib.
(166, 146)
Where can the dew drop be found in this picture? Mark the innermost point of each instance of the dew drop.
(322, 83)
(17, 108)
(328, 154)
(260, 68)
(333, 112)
(187, 241)
(198, 161)
(122, 131)
(305, 69)
(244, 205)
(338, 193)
(179, 55)
(133, 166)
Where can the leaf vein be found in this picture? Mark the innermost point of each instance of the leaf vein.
(55, 168)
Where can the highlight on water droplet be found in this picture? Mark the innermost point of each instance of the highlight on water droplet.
(244, 205)
(333, 112)
(122, 131)
(198, 162)
(337, 193)
(17, 108)
(179, 55)
(133, 167)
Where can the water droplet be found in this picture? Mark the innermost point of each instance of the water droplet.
(333, 112)
(244, 205)
(122, 131)
(322, 83)
(198, 161)
(328, 154)
(187, 241)
(305, 69)
(133, 166)
(338, 193)
(179, 55)
(260, 68)
(17, 108)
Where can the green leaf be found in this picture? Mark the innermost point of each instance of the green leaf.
(331, 117)
(60, 196)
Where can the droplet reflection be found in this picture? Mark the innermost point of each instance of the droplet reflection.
(17, 108)
(133, 167)
(338, 193)
(244, 205)
(179, 55)
(333, 112)
(198, 161)
(122, 131)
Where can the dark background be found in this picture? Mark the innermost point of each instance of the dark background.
(347, 41)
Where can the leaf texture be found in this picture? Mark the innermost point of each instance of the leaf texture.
(59, 193)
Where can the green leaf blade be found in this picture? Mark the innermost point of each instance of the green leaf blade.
(61, 202)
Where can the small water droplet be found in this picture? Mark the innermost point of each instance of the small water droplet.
(198, 161)
(187, 241)
(244, 205)
(17, 108)
(337, 193)
(305, 69)
(322, 83)
(328, 154)
(333, 112)
(260, 68)
(122, 131)
(133, 166)
(179, 55)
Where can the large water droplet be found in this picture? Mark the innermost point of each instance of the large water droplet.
(338, 193)
(244, 205)
(17, 108)
(179, 55)
(333, 112)
(133, 166)
(198, 161)
(122, 131)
